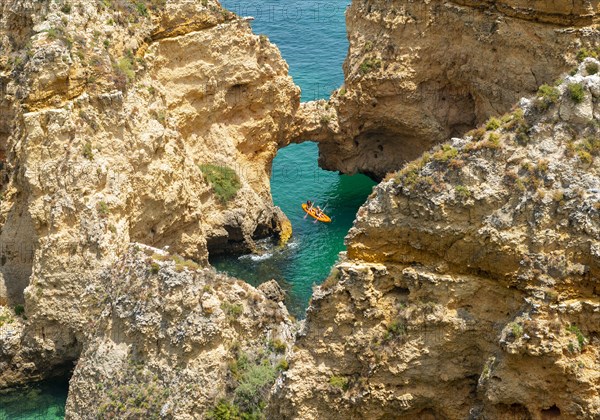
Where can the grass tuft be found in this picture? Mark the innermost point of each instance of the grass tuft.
(223, 180)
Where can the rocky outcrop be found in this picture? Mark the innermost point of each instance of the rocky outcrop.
(171, 340)
(470, 288)
(418, 73)
(153, 122)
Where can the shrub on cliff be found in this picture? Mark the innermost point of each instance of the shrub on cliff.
(546, 97)
(576, 92)
(370, 64)
(223, 180)
(592, 68)
(251, 380)
(584, 53)
(136, 394)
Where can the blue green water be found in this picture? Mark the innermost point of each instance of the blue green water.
(312, 39)
(44, 400)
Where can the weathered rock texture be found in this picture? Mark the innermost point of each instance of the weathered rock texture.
(471, 287)
(167, 338)
(107, 111)
(420, 72)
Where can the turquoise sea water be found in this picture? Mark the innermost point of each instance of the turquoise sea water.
(45, 400)
(312, 39)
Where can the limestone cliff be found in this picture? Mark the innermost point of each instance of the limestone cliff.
(153, 121)
(470, 288)
(419, 72)
(175, 340)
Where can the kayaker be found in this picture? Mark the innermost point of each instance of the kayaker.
(309, 205)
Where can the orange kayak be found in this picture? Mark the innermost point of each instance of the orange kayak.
(313, 213)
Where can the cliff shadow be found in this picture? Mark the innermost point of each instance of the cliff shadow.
(18, 240)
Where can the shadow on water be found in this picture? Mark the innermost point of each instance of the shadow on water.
(314, 247)
(41, 400)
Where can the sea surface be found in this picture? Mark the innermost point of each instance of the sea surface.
(312, 39)
(44, 400)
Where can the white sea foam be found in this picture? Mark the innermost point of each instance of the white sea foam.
(257, 257)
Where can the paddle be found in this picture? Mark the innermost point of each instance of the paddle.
(322, 211)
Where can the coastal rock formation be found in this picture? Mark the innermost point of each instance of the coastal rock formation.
(418, 73)
(152, 122)
(470, 288)
(172, 338)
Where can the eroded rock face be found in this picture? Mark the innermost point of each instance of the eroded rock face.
(470, 288)
(106, 115)
(167, 338)
(418, 73)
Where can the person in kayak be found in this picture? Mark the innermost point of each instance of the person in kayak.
(318, 212)
(309, 205)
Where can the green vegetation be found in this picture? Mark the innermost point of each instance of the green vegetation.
(493, 124)
(87, 151)
(277, 346)
(182, 263)
(125, 67)
(584, 53)
(476, 134)
(102, 209)
(462, 192)
(19, 310)
(223, 180)
(232, 311)
(591, 68)
(445, 154)
(154, 268)
(581, 340)
(66, 8)
(394, 330)
(410, 175)
(140, 396)
(224, 410)
(590, 145)
(576, 92)
(585, 157)
(546, 97)
(493, 141)
(52, 34)
(283, 365)
(516, 329)
(141, 8)
(6, 319)
(369, 65)
(339, 382)
(253, 386)
(251, 380)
